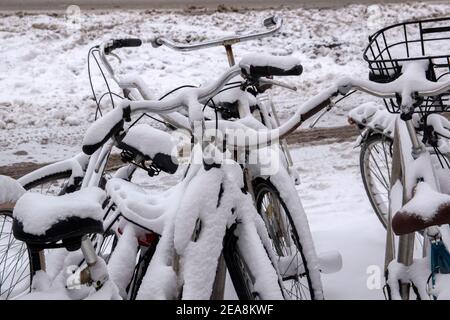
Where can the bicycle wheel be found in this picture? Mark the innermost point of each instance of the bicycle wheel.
(375, 165)
(145, 255)
(240, 273)
(18, 263)
(285, 241)
(54, 184)
(15, 268)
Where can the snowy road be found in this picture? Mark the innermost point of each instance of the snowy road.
(158, 4)
(341, 217)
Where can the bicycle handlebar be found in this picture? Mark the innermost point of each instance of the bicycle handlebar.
(408, 86)
(384, 90)
(193, 99)
(274, 23)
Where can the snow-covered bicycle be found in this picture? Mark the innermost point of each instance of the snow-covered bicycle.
(284, 236)
(404, 157)
(275, 197)
(179, 258)
(408, 87)
(377, 121)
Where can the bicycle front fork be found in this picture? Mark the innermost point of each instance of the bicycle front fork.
(406, 242)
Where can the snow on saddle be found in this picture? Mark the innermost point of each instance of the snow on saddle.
(10, 192)
(426, 208)
(42, 221)
(139, 206)
(151, 144)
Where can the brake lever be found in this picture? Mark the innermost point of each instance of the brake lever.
(115, 56)
(330, 106)
(277, 83)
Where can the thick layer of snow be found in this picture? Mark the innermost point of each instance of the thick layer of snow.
(149, 140)
(75, 165)
(39, 212)
(10, 190)
(425, 202)
(102, 127)
(123, 259)
(374, 116)
(138, 205)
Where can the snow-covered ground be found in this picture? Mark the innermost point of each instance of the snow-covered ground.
(341, 218)
(45, 96)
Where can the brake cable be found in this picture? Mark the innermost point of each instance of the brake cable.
(328, 108)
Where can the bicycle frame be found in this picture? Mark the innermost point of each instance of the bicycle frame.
(407, 148)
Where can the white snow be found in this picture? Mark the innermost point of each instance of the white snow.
(39, 212)
(374, 116)
(75, 164)
(123, 260)
(102, 127)
(149, 140)
(10, 190)
(425, 202)
(138, 205)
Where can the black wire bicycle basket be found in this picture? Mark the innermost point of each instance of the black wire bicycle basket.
(422, 40)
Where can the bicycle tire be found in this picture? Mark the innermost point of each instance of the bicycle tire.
(303, 289)
(20, 265)
(377, 142)
(141, 269)
(237, 268)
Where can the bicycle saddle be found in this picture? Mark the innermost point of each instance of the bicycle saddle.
(43, 220)
(10, 192)
(426, 208)
(137, 205)
(228, 102)
(151, 144)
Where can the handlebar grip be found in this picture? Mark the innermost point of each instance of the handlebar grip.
(270, 22)
(120, 43)
(133, 42)
(261, 65)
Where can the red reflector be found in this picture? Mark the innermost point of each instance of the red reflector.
(144, 240)
(147, 239)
